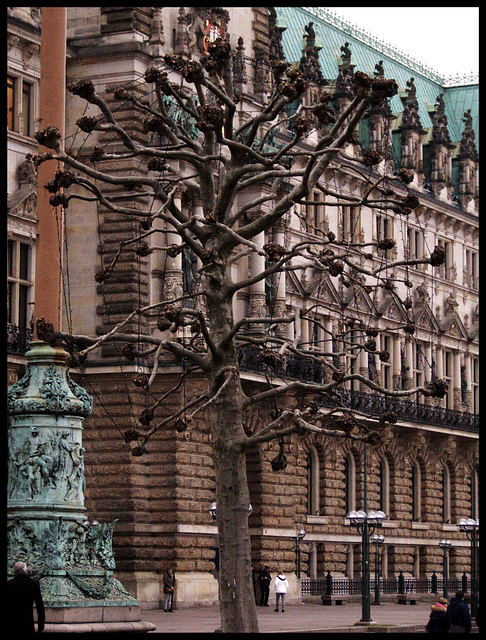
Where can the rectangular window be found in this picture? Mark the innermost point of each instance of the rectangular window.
(471, 273)
(386, 366)
(315, 213)
(20, 111)
(11, 90)
(448, 375)
(447, 269)
(351, 224)
(384, 231)
(415, 244)
(475, 385)
(26, 108)
(19, 282)
(418, 365)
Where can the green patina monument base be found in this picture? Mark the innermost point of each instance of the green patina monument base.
(47, 524)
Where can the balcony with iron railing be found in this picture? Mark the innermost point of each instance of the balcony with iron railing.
(295, 367)
(301, 368)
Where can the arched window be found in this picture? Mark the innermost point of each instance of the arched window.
(313, 482)
(384, 486)
(350, 483)
(446, 494)
(416, 492)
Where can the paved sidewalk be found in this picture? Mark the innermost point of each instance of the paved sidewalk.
(299, 618)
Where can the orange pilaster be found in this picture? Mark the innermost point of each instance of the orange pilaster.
(48, 295)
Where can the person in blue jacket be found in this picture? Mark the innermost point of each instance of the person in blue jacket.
(459, 614)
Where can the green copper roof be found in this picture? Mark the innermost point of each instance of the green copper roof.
(366, 52)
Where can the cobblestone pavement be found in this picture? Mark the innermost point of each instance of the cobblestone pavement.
(299, 618)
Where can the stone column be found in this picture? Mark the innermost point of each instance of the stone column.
(468, 374)
(456, 382)
(256, 300)
(173, 265)
(47, 526)
(408, 377)
(396, 361)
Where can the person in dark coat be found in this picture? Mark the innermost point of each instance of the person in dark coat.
(265, 579)
(169, 586)
(459, 614)
(22, 592)
(439, 620)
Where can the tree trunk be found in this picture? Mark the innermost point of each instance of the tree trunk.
(237, 601)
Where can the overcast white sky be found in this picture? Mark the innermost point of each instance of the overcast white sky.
(443, 38)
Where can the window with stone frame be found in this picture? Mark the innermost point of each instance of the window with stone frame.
(417, 368)
(19, 282)
(20, 105)
(315, 214)
(415, 244)
(350, 230)
(11, 101)
(387, 365)
(353, 359)
(448, 369)
(471, 272)
(448, 269)
(474, 385)
(384, 231)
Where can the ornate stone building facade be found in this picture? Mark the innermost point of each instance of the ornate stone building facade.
(422, 475)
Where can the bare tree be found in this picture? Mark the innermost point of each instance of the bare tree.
(225, 153)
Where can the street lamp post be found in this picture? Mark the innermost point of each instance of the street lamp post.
(366, 523)
(470, 527)
(377, 541)
(445, 545)
(300, 536)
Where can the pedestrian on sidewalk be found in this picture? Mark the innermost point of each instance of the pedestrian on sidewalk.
(22, 592)
(438, 620)
(265, 579)
(459, 614)
(281, 586)
(169, 587)
(256, 586)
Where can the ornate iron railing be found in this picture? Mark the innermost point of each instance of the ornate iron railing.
(302, 368)
(400, 584)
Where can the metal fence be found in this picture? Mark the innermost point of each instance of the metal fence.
(400, 584)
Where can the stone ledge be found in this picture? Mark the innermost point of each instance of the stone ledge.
(99, 627)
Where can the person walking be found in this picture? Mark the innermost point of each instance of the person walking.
(281, 586)
(438, 620)
(264, 579)
(22, 592)
(459, 615)
(169, 585)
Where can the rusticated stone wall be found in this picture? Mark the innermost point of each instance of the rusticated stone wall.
(161, 499)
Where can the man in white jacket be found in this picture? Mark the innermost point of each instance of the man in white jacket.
(281, 586)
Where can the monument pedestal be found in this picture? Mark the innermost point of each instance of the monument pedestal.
(47, 527)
